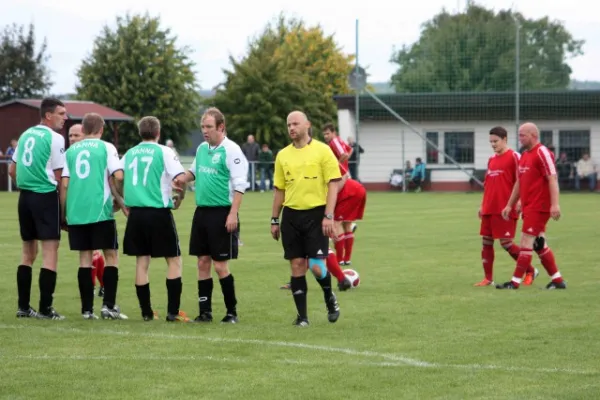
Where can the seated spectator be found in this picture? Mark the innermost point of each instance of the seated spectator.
(408, 169)
(418, 174)
(586, 169)
(565, 171)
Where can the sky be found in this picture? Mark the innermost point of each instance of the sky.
(216, 30)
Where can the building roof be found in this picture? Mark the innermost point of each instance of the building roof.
(542, 105)
(77, 109)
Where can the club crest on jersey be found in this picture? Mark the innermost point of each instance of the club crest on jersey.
(216, 158)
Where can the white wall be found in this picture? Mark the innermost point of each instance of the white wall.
(383, 143)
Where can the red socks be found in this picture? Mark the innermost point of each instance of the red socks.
(487, 258)
(334, 267)
(98, 269)
(523, 262)
(348, 243)
(340, 246)
(547, 259)
(514, 251)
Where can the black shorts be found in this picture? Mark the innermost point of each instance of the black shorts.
(97, 236)
(302, 233)
(39, 216)
(209, 236)
(151, 232)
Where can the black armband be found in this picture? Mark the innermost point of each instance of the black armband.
(274, 221)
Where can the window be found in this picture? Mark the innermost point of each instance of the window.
(431, 152)
(574, 143)
(460, 146)
(546, 138)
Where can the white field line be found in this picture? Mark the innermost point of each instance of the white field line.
(391, 360)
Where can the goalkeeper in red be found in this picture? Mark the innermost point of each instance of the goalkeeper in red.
(500, 178)
(538, 191)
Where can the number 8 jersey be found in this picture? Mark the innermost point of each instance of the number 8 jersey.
(89, 164)
(39, 153)
(149, 169)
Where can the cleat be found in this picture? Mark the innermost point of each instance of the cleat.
(51, 314)
(344, 285)
(287, 286)
(485, 282)
(556, 285)
(353, 227)
(112, 313)
(230, 319)
(507, 285)
(29, 313)
(152, 317)
(101, 292)
(300, 322)
(529, 278)
(89, 315)
(333, 309)
(347, 263)
(204, 316)
(342, 263)
(180, 317)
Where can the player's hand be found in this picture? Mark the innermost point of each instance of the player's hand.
(125, 211)
(328, 226)
(506, 212)
(275, 233)
(518, 207)
(231, 223)
(479, 213)
(555, 212)
(176, 201)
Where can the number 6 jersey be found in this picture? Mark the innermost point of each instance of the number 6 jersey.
(89, 165)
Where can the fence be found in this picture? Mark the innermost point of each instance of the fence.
(460, 79)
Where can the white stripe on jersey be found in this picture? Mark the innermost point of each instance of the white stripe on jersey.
(547, 160)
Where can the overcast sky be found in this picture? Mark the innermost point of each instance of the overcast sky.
(216, 29)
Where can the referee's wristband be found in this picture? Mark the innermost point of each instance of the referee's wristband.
(274, 221)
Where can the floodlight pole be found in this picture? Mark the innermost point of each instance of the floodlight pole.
(356, 106)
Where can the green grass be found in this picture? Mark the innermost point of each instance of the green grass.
(416, 328)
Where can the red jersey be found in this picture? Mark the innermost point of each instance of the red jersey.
(340, 148)
(500, 178)
(535, 167)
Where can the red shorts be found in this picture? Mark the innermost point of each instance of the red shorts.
(496, 227)
(351, 202)
(534, 222)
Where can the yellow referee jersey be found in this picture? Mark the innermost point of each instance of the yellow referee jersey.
(304, 174)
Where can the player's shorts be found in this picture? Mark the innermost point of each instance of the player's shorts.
(39, 216)
(151, 232)
(534, 222)
(100, 235)
(351, 206)
(496, 227)
(209, 235)
(302, 233)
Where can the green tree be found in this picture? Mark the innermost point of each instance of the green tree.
(476, 51)
(23, 71)
(139, 70)
(288, 66)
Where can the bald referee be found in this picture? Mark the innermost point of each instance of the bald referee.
(306, 180)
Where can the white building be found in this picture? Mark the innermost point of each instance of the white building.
(459, 124)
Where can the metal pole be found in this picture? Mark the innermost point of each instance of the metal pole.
(517, 81)
(357, 108)
(403, 164)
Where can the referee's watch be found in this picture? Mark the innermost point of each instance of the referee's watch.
(329, 216)
(274, 221)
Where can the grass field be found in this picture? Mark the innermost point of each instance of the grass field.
(416, 328)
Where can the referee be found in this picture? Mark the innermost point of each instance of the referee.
(38, 162)
(306, 179)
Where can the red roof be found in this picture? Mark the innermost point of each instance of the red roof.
(77, 109)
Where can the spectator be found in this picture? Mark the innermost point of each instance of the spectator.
(352, 164)
(418, 174)
(169, 143)
(586, 169)
(408, 169)
(266, 158)
(564, 169)
(251, 150)
(11, 149)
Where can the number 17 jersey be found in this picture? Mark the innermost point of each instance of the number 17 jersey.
(89, 164)
(149, 169)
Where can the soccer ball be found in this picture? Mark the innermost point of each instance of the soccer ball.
(353, 277)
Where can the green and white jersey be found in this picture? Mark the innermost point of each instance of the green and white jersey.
(149, 170)
(39, 153)
(220, 171)
(89, 165)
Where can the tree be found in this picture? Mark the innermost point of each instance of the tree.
(288, 66)
(476, 51)
(138, 69)
(23, 72)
